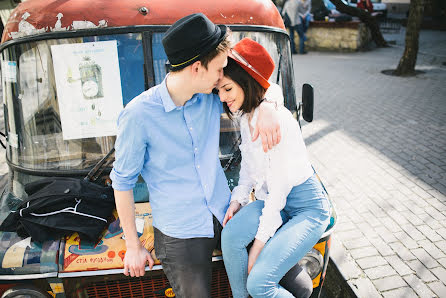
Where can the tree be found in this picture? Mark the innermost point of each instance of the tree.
(406, 66)
(365, 16)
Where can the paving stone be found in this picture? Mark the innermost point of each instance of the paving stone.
(412, 218)
(441, 245)
(389, 283)
(432, 249)
(440, 272)
(413, 232)
(435, 213)
(367, 230)
(418, 286)
(357, 243)
(367, 251)
(402, 251)
(425, 258)
(365, 288)
(399, 265)
(421, 271)
(349, 235)
(442, 232)
(434, 224)
(405, 292)
(438, 288)
(345, 226)
(381, 246)
(385, 234)
(406, 240)
(380, 272)
(429, 233)
(442, 262)
(397, 217)
(369, 262)
(390, 224)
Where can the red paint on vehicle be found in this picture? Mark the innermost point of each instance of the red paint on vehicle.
(118, 13)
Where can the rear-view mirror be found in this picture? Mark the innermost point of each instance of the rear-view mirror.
(307, 102)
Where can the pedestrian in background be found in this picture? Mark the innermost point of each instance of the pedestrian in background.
(297, 17)
(291, 19)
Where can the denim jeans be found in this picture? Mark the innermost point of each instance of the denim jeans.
(293, 44)
(305, 217)
(301, 30)
(187, 263)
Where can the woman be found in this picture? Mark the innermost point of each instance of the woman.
(291, 211)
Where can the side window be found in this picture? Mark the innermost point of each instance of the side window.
(159, 57)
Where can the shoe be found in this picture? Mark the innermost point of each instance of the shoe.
(294, 52)
(303, 53)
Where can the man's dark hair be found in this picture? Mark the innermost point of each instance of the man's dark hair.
(252, 90)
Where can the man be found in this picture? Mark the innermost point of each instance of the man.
(170, 135)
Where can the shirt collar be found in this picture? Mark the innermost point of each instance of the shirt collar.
(165, 96)
(168, 103)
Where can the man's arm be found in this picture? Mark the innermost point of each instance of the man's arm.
(267, 125)
(136, 255)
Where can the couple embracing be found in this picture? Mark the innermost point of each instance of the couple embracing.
(169, 135)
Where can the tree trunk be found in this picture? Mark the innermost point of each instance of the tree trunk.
(407, 62)
(366, 18)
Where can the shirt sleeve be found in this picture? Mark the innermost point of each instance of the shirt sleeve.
(130, 151)
(278, 189)
(241, 192)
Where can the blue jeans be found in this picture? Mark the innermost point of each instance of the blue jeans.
(293, 44)
(305, 217)
(301, 30)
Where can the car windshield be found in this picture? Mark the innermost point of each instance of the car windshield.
(63, 96)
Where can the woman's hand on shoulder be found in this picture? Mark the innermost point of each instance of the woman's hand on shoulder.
(234, 207)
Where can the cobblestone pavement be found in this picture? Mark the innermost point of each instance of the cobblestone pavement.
(379, 144)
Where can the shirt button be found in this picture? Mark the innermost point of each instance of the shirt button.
(198, 166)
(190, 128)
(196, 149)
(205, 186)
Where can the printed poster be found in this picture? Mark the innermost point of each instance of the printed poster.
(88, 87)
(110, 251)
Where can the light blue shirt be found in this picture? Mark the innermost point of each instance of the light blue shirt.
(175, 149)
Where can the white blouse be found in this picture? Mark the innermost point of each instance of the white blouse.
(275, 173)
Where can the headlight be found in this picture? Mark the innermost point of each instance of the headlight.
(27, 291)
(312, 262)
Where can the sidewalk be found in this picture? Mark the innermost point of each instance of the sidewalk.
(379, 144)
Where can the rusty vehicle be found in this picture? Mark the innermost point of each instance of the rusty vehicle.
(68, 68)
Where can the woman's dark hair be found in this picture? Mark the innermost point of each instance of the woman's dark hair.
(252, 90)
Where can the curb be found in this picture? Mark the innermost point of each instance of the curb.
(336, 284)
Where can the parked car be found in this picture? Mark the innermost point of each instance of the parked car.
(68, 68)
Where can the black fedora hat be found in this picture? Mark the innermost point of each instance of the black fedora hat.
(190, 38)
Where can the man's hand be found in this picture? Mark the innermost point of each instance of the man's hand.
(234, 207)
(267, 126)
(135, 261)
(254, 252)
